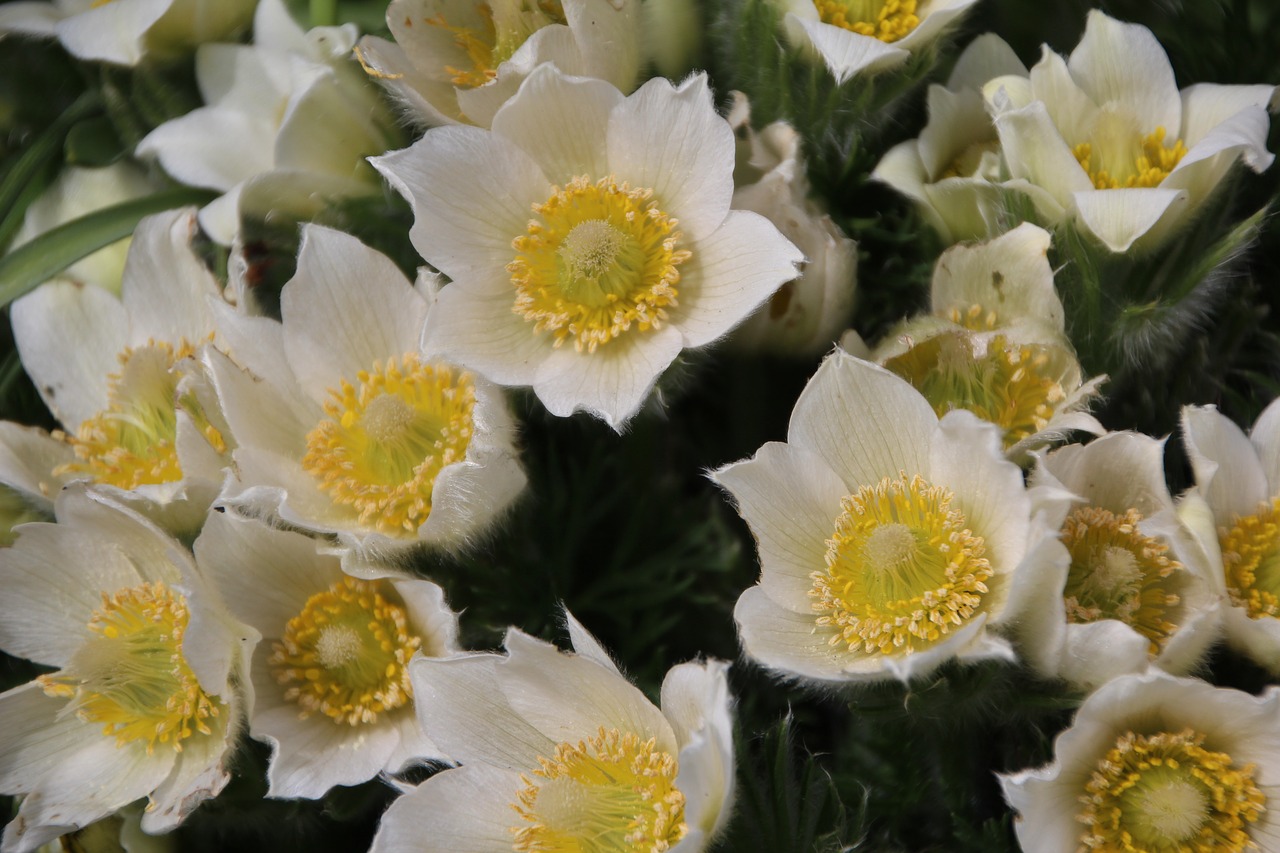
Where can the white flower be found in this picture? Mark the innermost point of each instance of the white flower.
(866, 36)
(126, 31)
(77, 192)
(616, 239)
(806, 314)
(1129, 590)
(1107, 138)
(458, 61)
(1154, 762)
(144, 702)
(1235, 513)
(331, 675)
(288, 122)
(117, 373)
(889, 541)
(953, 170)
(560, 750)
(345, 428)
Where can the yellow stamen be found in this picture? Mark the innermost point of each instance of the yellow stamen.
(1149, 163)
(131, 676)
(1251, 560)
(1118, 573)
(1015, 386)
(506, 25)
(133, 442)
(599, 259)
(887, 20)
(384, 442)
(613, 793)
(346, 654)
(976, 318)
(903, 569)
(1168, 793)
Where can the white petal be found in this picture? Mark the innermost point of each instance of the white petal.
(478, 329)
(671, 140)
(790, 500)
(845, 53)
(166, 288)
(1069, 106)
(1119, 217)
(27, 459)
(347, 307)
(467, 808)
(1241, 136)
(1036, 151)
(429, 616)
(587, 646)
(695, 699)
(311, 756)
(200, 773)
(214, 147)
(1225, 463)
(111, 33)
(1257, 639)
(568, 697)
(1009, 275)
(547, 103)
(72, 380)
(471, 193)
(608, 36)
(467, 495)
(265, 413)
(787, 643)
(1265, 437)
(1118, 471)
(610, 383)
(731, 273)
(428, 101)
(1124, 64)
(865, 422)
(987, 57)
(1097, 652)
(1207, 105)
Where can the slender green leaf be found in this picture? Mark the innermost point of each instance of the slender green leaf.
(52, 252)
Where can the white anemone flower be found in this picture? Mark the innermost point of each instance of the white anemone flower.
(78, 192)
(806, 315)
(1235, 513)
(118, 373)
(616, 239)
(125, 32)
(287, 124)
(866, 36)
(345, 428)
(1106, 138)
(560, 752)
(953, 170)
(146, 697)
(458, 61)
(1130, 590)
(889, 540)
(332, 693)
(1154, 762)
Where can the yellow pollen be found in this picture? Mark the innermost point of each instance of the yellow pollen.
(1251, 560)
(131, 676)
(133, 442)
(613, 793)
(1118, 573)
(1167, 793)
(346, 654)
(887, 20)
(903, 570)
(383, 443)
(1147, 164)
(505, 26)
(1010, 385)
(599, 259)
(975, 318)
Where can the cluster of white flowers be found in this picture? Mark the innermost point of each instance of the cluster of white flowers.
(237, 502)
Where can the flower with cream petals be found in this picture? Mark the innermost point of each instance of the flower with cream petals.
(345, 428)
(1106, 138)
(583, 263)
(1157, 763)
(560, 752)
(144, 700)
(890, 541)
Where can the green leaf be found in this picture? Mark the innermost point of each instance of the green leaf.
(49, 254)
(94, 143)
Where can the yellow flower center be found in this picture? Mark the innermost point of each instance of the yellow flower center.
(613, 793)
(903, 569)
(384, 442)
(598, 259)
(887, 20)
(506, 26)
(1118, 573)
(346, 655)
(1251, 560)
(1012, 385)
(1167, 793)
(1145, 163)
(131, 676)
(133, 442)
